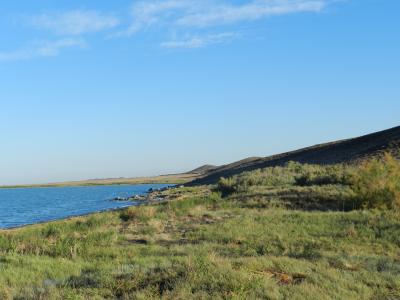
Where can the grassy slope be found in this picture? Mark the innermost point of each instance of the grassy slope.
(345, 151)
(174, 178)
(200, 245)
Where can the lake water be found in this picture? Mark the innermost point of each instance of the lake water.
(25, 206)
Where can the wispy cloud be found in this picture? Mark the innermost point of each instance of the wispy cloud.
(69, 25)
(53, 48)
(207, 13)
(148, 13)
(192, 23)
(76, 22)
(200, 41)
(227, 14)
(45, 49)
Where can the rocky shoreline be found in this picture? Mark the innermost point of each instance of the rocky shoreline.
(152, 195)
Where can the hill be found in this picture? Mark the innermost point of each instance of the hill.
(203, 170)
(344, 151)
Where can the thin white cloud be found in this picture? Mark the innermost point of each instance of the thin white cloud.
(46, 49)
(148, 13)
(53, 48)
(205, 13)
(189, 21)
(70, 25)
(229, 14)
(201, 41)
(76, 22)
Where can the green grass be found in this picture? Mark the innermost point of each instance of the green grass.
(268, 238)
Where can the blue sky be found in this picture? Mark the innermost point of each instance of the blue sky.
(96, 89)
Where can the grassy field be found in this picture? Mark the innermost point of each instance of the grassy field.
(299, 232)
(172, 179)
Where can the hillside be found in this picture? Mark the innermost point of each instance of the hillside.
(344, 151)
(203, 170)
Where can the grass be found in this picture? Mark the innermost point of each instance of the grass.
(267, 238)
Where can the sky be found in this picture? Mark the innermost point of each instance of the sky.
(123, 88)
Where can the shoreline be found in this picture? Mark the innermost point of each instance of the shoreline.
(162, 179)
(81, 185)
(135, 201)
(69, 218)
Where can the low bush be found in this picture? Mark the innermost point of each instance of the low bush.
(324, 175)
(291, 175)
(141, 214)
(184, 205)
(377, 183)
(226, 186)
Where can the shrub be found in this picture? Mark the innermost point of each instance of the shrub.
(292, 174)
(374, 183)
(51, 231)
(226, 186)
(138, 213)
(91, 223)
(377, 183)
(324, 175)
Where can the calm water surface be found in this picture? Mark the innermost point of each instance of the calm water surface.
(20, 207)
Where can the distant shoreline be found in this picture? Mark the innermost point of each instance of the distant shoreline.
(161, 179)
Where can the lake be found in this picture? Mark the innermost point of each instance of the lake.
(25, 206)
